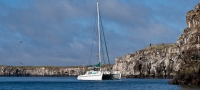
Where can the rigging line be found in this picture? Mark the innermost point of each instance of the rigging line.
(104, 40)
(93, 37)
(102, 51)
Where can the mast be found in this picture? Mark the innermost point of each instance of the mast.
(99, 35)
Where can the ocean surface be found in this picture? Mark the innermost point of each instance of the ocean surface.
(71, 83)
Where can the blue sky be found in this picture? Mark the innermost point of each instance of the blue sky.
(49, 27)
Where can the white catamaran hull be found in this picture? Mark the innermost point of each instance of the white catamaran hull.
(88, 76)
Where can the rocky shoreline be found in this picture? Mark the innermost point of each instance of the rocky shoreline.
(39, 71)
(50, 71)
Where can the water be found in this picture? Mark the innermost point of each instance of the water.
(71, 83)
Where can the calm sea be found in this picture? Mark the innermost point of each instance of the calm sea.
(71, 83)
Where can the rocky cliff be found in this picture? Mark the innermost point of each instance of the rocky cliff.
(180, 60)
(39, 71)
(159, 61)
(45, 70)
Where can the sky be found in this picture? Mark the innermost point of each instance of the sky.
(61, 32)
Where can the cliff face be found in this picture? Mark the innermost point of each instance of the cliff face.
(167, 60)
(189, 42)
(160, 61)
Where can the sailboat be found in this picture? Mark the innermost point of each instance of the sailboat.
(96, 73)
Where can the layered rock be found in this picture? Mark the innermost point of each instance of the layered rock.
(181, 59)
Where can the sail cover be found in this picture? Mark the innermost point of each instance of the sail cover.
(97, 65)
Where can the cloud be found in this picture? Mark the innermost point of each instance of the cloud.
(66, 26)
